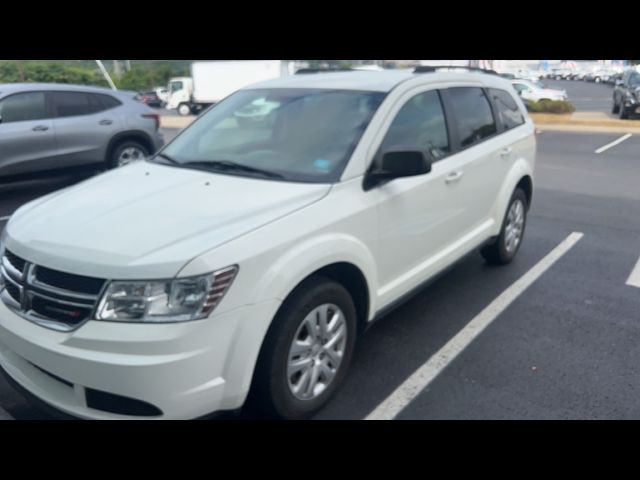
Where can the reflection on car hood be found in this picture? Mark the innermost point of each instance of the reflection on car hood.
(147, 220)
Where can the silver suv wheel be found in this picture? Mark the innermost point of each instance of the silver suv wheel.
(130, 155)
(316, 352)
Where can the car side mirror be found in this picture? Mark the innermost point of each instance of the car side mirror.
(398, 164)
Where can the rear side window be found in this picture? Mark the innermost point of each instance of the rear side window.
(107, 101)
(508, 110)
(419, 124)
(473, 114)
(23, 106)
(70, 104)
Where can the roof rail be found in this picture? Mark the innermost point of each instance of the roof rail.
(432, 69)
(322, 70)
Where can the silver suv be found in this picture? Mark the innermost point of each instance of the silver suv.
(50, 126)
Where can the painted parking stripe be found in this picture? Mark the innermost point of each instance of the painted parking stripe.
(4, 415)
(2, 219)
(613, 144)
(634, 278)
(425, 374)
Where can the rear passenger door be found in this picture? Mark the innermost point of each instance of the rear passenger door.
(27, 142)
(478, 168)
(84, 124)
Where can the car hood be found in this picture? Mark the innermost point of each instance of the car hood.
(147, 220)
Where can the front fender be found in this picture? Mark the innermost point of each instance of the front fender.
(305, 258)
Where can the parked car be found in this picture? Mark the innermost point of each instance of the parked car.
(48, 127)
(150, 98)
(532, 92)
(163, 94)
(626, 94)
(243, 261)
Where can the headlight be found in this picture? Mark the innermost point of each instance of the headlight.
(177, 300)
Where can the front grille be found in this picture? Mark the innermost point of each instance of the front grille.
(66, 281)
(13, 291)
(54, 299)
(59, 310)
(14, 260)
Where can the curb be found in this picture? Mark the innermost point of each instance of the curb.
(176, 122)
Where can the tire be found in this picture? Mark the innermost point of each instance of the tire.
(624, 113)
(273, 383)
(616, 107)
(498, 252)
(128, 148)
(184, 109)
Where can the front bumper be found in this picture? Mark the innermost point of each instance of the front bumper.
(182, 370)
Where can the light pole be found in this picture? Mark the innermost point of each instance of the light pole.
(106, 75)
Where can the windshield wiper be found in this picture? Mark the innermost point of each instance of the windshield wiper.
(167, 157)
(227, 165)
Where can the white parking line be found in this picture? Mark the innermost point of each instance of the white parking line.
(613, 144)
(425, 374)
(634, 278)
(2, 219)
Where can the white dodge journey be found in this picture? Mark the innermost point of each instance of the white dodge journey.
(239, 265)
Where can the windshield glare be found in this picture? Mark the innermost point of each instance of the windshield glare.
(302, 135)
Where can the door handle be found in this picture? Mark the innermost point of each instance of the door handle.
(454, 176)
(506, 152)
(40, 128)
(105, 122)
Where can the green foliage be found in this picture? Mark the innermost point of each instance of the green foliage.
(551, 106)
(144, 74)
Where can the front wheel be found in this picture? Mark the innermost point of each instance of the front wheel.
(616, 107)
(307, 351)
(624, 113)
(504, 248)
(184, 109)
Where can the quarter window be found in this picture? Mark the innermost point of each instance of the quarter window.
(508, 110)
(420, 124)
(22, 107)
(473, 114)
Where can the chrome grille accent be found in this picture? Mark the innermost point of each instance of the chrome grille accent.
(53, 299)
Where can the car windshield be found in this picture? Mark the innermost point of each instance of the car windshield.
(302, 135)
(634, 80)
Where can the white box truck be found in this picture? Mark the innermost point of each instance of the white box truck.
(212, 81)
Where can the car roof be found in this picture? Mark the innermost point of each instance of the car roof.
(375, 81)
(8, 88)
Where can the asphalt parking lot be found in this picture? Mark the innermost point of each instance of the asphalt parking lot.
(566, 347)
(586, 96)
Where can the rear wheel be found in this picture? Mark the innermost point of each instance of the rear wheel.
(307, 351)
(127, 152)
(504, 248)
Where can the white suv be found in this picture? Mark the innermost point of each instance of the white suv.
(243, 260)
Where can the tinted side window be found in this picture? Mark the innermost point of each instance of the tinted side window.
(508, 111)
(23, 106)
(420, 124)
(69, 104)
(107, 101)
(473, 114)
